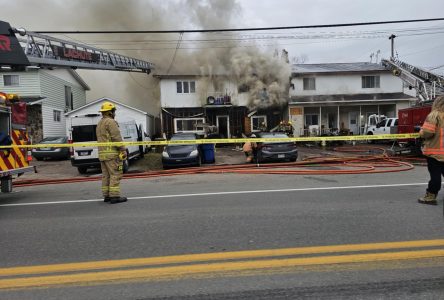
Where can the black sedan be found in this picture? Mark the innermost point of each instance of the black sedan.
(182, 155)
(52, 152)
(275, 151)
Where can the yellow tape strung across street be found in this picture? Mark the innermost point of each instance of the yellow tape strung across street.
(230, 141)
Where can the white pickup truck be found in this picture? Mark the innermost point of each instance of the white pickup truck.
(381, 125)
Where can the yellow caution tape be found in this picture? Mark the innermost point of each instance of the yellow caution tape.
(229, 141)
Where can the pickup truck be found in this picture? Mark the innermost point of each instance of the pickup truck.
(384, 126)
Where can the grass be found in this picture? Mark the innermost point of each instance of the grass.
(150, 162)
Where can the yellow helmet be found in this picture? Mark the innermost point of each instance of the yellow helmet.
(107, 106)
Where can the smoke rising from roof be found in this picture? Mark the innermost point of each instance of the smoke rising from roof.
(246, 66)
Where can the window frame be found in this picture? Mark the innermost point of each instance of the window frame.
(306, 86)
(310, 115)
(11, 81)
(69, 98)
(366, 83)
(186, 119)
(57, 114)
(257, 117)
(185, 87)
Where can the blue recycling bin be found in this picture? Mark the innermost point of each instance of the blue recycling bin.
(208, 153)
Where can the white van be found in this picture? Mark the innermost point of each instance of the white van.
(82, 129)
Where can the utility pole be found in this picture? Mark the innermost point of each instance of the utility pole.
(392, 38)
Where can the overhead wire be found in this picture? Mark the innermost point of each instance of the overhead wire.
(241, 29)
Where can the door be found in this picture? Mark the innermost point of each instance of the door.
(223, 124)
(353, 122)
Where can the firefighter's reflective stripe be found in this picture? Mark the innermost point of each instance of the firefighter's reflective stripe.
(429, 127)
(14, 157)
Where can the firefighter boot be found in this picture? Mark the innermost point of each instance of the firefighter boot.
(114, 200)
(429, 198)
(106, 199)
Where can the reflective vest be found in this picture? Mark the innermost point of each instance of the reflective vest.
(432, 131)
(107, 131)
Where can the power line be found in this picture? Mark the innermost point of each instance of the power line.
(175, 52)
(239, 29)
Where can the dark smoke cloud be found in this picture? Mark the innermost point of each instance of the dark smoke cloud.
(249, 66)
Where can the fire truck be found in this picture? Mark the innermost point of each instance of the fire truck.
(20, 49)
(427, 85)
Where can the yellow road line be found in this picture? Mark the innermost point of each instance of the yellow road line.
(193, 258)
(180, 272)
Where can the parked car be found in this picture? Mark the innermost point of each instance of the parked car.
(52, 152)
(275, 151)
(182, 155)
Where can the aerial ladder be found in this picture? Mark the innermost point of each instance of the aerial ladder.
(427, 85)
(34, 49)
(20, 49)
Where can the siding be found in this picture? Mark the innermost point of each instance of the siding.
(50, 127)
(53, 89)
(29, 83)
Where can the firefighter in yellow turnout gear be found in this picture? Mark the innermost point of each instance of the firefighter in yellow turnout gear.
(111, 157)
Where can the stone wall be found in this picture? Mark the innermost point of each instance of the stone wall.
(35, 123)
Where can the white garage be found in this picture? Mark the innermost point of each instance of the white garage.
(123, 113)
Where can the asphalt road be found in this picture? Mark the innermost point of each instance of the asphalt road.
(225, 237)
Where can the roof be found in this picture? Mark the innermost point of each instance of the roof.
(337, 68)
(350, 98)
(31, 100)
(105, 99)
(79, 79)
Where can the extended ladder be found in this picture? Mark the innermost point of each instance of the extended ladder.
(45, 51)
(427, 84)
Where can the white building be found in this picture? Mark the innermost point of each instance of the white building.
(124, 113)
(341, 96)
(187, 101)
(49, 95)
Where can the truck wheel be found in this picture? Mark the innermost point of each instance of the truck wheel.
(6, 184)
(125, 166)
(141, 152)
(370, 141)
(82, 170)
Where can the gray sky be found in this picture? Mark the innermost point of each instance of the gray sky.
(421, 50)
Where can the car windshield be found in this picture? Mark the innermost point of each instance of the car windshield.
(273, 135)
(53, 140)
(182, 137)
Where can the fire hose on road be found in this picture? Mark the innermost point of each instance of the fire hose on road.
(371, 160)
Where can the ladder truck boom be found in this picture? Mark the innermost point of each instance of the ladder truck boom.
(426, 84)
(34, 49)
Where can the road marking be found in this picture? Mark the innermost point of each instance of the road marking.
(220, 193)
(220, 268)
(204, 257)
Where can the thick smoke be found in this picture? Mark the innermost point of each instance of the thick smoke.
(248, 66)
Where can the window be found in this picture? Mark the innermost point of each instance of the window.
(57, 114)
(258, 123)
(370, 82)
(309, 83)
(85, 133)
(185, 87)
(11, 80)
(187, 124)
(311, 120)
(68, 98)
